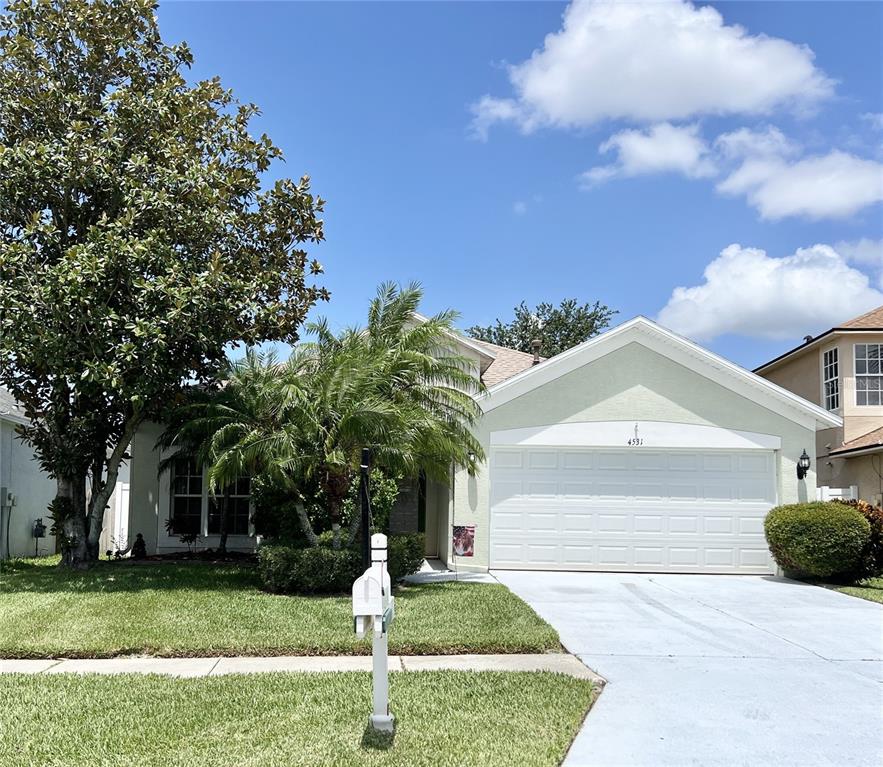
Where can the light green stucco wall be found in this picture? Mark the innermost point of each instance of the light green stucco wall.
(632, 383)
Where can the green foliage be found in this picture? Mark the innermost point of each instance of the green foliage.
(383, 490)
(316, 570)
(137, 240)
(558, 327)
(398, 386)
(871, 561)
(819, 539)
(406, 554)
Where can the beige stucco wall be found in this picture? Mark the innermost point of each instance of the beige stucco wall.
(801, 374)
(631, 384)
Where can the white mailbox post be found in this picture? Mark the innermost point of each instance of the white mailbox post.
(373, 612)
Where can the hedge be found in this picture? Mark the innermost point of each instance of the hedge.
(291, 569)
(819, 539)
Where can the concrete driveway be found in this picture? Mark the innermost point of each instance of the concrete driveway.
(718, 670)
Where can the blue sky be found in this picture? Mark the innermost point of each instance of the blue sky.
(458, 146)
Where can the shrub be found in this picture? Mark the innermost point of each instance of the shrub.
(406, 554)
(871, 561)
(321, 570)
(820, 539)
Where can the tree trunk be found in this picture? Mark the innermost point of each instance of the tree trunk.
(225, 510)
(70, 495)
(83, 527)
(305, 525)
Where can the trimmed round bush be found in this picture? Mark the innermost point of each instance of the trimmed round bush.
(820, 539)
(320, 570)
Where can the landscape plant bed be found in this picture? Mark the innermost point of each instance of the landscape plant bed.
(443, 718)
(192, 609)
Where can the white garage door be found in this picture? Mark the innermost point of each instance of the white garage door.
(631, 510)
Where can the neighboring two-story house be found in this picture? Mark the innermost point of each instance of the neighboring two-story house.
(842, 370)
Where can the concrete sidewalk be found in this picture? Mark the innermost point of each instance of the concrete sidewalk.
(561, 663)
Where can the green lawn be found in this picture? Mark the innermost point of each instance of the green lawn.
(871, 589)
(199, 609)
(443, 718)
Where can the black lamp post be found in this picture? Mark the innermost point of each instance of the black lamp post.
(802, 465)
(365, 505)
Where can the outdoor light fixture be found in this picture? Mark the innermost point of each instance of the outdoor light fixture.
(802, 465)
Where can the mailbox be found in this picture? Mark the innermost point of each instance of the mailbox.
(367, 602)
(373, 613)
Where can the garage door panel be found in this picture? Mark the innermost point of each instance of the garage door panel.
(682, 511)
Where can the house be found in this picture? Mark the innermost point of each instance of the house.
(635, 451)
(22, 479)
(840, 370)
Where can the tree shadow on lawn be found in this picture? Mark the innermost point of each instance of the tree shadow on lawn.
(114, 577)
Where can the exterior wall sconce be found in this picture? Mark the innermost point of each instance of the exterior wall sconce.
(803, 464)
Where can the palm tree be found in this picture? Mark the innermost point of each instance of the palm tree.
(398, 386)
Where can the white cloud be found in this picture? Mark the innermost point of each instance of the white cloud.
(749, 293)
(652, 62)
(835, 185)
(663, 148)
(874, 118)
(864, 252)
(769, 142)
(519, 208)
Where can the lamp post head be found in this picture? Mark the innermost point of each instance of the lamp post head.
(803, 464)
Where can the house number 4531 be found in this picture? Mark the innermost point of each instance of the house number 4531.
(635, 441)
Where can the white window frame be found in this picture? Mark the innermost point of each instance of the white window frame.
(866, 362)
(167, 496)
(831, 375)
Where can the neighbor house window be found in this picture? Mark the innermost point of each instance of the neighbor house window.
(868, 379)
(831, 379)
(195, 511)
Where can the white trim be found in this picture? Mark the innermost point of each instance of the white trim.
(824, 397)
(654, 435)
(690, 355)
(866, 374)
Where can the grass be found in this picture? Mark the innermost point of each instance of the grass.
(443, 718)
(180, 610)
(871, 589)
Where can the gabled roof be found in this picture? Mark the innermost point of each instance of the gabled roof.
(507, 363)
(10, 410)
(486, 356)
(675, 347)
(869, 322)
(872, 442)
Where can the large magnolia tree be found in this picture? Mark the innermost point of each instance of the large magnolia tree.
(136, 238)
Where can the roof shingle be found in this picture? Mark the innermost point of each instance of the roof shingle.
(871, 439)
(872, 320)
(508, 363)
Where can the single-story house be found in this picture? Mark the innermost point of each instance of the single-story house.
(26, 491)
(637, 450)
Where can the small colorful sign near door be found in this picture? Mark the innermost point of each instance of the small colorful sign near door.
(464, 540)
